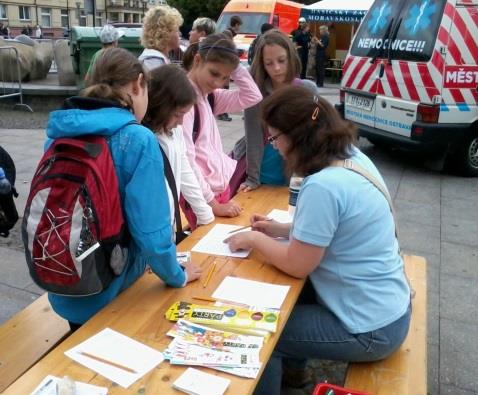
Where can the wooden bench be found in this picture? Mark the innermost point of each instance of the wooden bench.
(27, 337)
(405, 371)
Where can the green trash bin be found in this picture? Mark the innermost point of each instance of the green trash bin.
(85, 41)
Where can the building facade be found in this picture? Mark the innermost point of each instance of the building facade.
(56, 17)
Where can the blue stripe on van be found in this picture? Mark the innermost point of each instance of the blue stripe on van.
(444, 107)
(463, 107)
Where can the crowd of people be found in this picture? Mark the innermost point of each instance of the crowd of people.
(158, 116)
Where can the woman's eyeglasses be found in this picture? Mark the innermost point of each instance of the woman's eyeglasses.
(271, 139)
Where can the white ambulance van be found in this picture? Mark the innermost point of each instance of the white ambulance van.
(411, 78)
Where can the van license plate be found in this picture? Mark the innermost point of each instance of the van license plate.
(362, 102)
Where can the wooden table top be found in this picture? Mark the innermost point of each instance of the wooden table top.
(139, 312)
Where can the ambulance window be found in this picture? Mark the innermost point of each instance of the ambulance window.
(251, 21)
(415, 37)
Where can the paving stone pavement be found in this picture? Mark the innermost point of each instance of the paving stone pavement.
(437, 217)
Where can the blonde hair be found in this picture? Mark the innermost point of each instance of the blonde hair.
(158, 25)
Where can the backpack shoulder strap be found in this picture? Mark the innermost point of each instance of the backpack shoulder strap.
(168, 172)
(197, 116)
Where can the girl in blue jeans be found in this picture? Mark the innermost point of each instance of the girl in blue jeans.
(356, 304)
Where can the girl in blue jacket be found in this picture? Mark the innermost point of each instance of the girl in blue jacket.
(116, 95)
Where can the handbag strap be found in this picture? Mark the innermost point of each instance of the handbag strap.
(168, 172)
(352, 166)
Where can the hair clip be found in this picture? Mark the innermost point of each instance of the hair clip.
(316, 99)
(315, 114)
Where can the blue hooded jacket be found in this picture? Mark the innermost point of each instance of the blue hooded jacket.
(139, 168)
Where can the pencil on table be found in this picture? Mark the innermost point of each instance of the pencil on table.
(205, 298)
(209, 275)
(108, 362)
(245, 227)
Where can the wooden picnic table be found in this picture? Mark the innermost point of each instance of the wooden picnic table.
(139, 312)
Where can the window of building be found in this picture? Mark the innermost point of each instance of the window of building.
(83, 18)
(46, 17)
(136, 18)
(3, 11)
(24, 13)
(65, 18)
(99, 19)
(114, 16)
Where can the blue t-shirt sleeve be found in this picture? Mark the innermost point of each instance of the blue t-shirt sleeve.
(317, 214)
(147, 211)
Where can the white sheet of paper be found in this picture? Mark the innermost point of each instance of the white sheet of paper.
(280, 216)
(116, 347)
(251, 293)
(213, 242)
(196, 382)
(47, 387)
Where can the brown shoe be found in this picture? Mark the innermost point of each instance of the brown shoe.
(296, 378)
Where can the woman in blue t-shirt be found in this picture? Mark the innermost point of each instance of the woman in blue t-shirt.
(356, 303)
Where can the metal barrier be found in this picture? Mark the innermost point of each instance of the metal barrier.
(12, 86)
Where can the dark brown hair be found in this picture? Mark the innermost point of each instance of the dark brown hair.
(168, 89)
(189, 54)
(113, 69)
(219, 49)
(274, 37)
(313, 143)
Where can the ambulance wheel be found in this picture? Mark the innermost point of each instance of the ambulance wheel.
(468, 156)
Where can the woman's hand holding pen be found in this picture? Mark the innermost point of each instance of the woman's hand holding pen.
(269, 226)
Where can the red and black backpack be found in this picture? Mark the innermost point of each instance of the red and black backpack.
(73, 228)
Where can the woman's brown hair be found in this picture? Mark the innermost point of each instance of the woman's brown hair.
(113, 69)
(218, 48)
(168, 89)
(274, 37)
(316, 133)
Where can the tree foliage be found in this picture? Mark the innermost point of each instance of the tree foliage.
(192, 9)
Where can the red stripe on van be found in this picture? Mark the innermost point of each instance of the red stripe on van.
(427, 80)
(449, 10)
(438, 61)
(354, 73)
(367, 75)
(454, 51)
(457, 95)
(409, 83)
(443, 35)
(467, 37)
(392, 81)
(348, 61)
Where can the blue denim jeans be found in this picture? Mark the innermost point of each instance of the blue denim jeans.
(314, 332)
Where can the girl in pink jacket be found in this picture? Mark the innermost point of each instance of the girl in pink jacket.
(215, 62)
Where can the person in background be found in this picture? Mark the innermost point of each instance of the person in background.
(109, 37)
(252, 48)
(321, 54)
(112, 105)
(302, 37)
(234, 27)
(214, 63)
(160, 35)
(276, 65)
(202, 27)
(356, 304)
(38, 32)
(171, 96)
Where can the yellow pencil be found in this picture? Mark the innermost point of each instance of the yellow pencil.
(209, 275)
